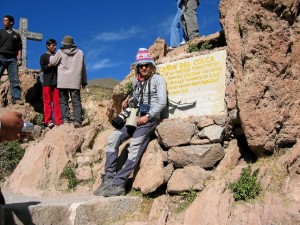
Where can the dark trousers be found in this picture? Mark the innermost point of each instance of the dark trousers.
(65, 94)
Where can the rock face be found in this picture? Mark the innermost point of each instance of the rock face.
(72, 210)
(207, 153)
(41, 169)
(173, 133)
(263, 42)
(278, 205)
(152, 172)
(204, 156)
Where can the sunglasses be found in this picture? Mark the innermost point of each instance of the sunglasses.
(143, 65)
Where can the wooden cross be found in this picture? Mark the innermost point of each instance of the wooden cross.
(25, 34)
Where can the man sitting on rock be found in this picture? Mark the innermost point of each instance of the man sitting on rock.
(150, 91)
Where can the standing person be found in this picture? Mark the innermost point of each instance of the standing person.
(11, 56)
(151, 92)
(175, 36)
(71, 76)
(189, 18)
(50, 90)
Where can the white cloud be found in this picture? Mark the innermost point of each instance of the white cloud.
(122, 34)
(93, 52)
(103, 63)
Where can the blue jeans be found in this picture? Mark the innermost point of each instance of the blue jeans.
(175, 27)
(11, 65)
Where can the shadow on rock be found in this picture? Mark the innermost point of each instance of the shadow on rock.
(19, 211)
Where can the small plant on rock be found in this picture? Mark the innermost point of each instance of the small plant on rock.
(70, 175)
(192, 48)
(188, 198)
(127, 88)
(10, 155)
(40, 119)
(205, 45)
(246, 187)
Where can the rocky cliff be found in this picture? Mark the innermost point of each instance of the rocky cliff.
(263, 46)
(203, 154)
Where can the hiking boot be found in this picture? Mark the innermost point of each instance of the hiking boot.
(114, 190)
(106, 182)
(77, 124)
(50, 125)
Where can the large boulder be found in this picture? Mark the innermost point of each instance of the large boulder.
(205, 156)
(263, 47)
(40, 171)
(152, 172)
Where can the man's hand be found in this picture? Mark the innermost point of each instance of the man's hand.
(142, 120)
(124, 104)
(11, 126)
(19, 63)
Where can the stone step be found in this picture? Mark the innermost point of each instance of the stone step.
(79, 210)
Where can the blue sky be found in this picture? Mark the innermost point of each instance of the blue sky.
(109, 32)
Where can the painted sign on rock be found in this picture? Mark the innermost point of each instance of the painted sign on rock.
(196, 85)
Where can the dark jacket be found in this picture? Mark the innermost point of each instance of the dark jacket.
(49, 73)
(10, 44)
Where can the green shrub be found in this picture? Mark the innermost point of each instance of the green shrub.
(39, 119)
(192, 48)
(10, 155)
(205, 46)
(247, 186)
(127, 88)
(69, 174)
(188, 198)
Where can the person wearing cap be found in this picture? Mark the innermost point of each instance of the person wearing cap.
(189, 18)
(50, 91)
(149, 89)
(71, 76)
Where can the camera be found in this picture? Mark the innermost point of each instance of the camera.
(144, 108)
(130, 114)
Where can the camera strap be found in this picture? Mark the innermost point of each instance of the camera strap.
(143, 87)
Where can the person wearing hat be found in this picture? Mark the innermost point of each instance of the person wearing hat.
(150, 90)
(71, 76)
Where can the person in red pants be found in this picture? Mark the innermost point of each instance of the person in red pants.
(50, 90)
